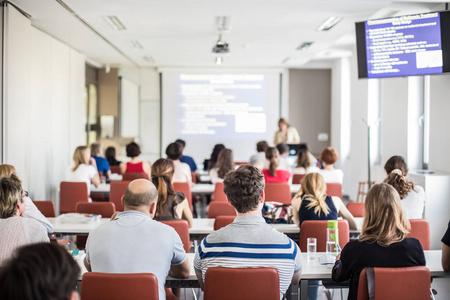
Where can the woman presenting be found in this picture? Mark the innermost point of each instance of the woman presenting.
(286, 134)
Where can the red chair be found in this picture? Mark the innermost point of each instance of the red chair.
(220, 209)
(318, 230)
(278, 192)
(412, 283)
(240, 163)
(334, 189)
(47, 208)
(134, 175)
(194, 177)
(297, 178)
(219, 195)
(70, 193)
(137, 286)
(182, 228)
(117, 190)
(184, 188)
(356, 209)
(420, 229)
(222, 221)
(115, 169)
(234, 283)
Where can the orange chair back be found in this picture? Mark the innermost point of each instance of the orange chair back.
(137, 286)
(106, 209)
(134, 175)
(233, 283)
(117, 190)
(47, 208)
(420, 229)
(70, 193)
(334, 189)
(182, 228)
(412, 283)
(115, 169)
(220, 209)
(240, 163)
(219, 195)
(297, 178)
(194, 177)
(318, 230)
(222, 221)
(279, 192)
(184, 188)
(356, 209)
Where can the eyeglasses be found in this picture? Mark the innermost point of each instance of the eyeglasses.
(24, 194)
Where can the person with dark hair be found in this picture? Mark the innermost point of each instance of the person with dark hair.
(259, 159)
(329, 157)
(135, 243)
(135, 165)
(110, 155)
(413, 196)
(273, 174)
(171, 205)
(305, 163)
(286, 133)
(283, 150)
(40, 271)
(224, 164)
(182, 170)
(211, 162)
(101, 162)
(187, 159)
(249, 242)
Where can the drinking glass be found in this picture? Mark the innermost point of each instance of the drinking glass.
(311, 247)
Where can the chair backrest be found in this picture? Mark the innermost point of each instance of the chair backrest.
(220, 209)
(279, 192)
(222, 221)
(182, 228)
(134, 175)
(194, 177)
(334, 189)
(137, 286)
(233, 283)
(318, 230)
(297, 178)
(106, 209)
(70, 193)
(356, 209)
(219, 195)
(184, 188)
(46, 207)
(117, 190)
(420, 229)
(412, 283)
(240, 163)
(115, 169)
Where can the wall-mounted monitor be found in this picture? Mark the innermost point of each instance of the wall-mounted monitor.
(404, 46)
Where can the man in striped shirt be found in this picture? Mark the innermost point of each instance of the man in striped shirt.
(249, 242)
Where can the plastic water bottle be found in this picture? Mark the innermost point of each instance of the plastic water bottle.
(332, 238)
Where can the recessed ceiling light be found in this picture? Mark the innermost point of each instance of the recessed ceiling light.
(219, 60)
(329, 23)
(135, 44)
(114, 22)
(149, 59)
(286, 60)
(304, 46)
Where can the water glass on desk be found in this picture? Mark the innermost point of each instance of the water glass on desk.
(311, 247)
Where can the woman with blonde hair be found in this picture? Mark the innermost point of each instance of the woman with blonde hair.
(84, 168)
(383, 241)
(224, 164)
(412, 196)
(171, 205)
(273, 174)
(286, 133)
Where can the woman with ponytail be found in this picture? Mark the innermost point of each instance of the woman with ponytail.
(272, 174)
(412, 196)
(171, 205)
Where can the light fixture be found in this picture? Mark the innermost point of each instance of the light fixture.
(149, 59)
(304, 46)
(114, 22)
(286, 60)
(219, 60)
(221, 47)
(135, 44)
(223, 24)
(329, 23)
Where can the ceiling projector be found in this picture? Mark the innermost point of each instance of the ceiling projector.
(221, 47)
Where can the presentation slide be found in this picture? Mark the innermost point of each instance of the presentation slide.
(408, 45)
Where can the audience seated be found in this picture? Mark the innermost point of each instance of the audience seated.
(259, 159)
(187, 159)
(182, 170)
(273, 174)
(31, 211)
(383, 241)
(224, 164)
(16, 231)
(306, 163)
(329, 157)
(249, 236)
(84, 168)
(40, 271)
(211, 162)
(171, 205)
(110, 155)
(412, 196)
(446, 250)
(135, 243)
(283, 150)
(101, 162)
(135, 165)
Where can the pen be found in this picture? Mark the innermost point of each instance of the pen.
(339, 248)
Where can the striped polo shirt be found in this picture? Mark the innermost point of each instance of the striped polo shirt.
(249, 242)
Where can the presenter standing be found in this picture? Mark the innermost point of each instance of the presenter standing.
(286, 134)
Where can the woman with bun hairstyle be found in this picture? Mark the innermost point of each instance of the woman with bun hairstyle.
(272, 174)
(171, 205)
(412, 196)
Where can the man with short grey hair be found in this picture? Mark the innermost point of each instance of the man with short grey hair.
(135, 243)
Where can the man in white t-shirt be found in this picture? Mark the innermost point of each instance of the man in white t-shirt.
(182, 171)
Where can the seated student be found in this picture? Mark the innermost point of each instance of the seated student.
(446, 250)
(273, 174)
(224, 164)
(187, 159)
(329, 157)
(412, 196)
(171, 205)
(249, 236)
(110, 155)
(84, 168)
(135, 165)
(383, 241)
(305, 161)
(211, 162)
(283, 150)
(101, 162)
(40, 271)
(182, 170)
(16, 231)
(135, 243)
(259, 159)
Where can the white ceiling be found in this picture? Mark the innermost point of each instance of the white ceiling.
(181, 33)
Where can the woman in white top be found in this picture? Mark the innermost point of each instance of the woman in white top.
(304, 163)
(84, 168)
(286, 134)
(224, 164)
(329, 157)
(412, 196)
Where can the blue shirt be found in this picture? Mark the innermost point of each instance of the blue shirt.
(102, 164)
(190, 161)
